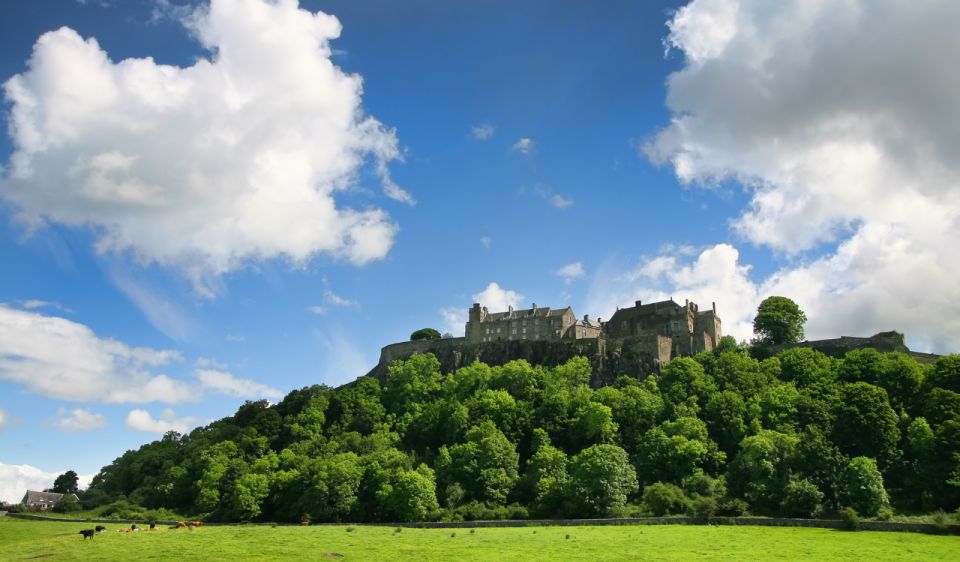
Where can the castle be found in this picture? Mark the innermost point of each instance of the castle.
(659, 331)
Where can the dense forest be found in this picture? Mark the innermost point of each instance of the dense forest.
(797, 434)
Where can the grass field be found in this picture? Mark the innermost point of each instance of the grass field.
(30, 540)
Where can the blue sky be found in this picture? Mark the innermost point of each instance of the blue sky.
(206, 203)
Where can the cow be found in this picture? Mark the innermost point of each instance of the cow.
(304, 523)
(100, 528)
(87, 534)
(196, 523)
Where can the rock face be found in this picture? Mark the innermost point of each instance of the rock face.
(607, 362)
(883, 342)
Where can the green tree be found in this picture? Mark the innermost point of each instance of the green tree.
(865, 423)
(408, 495)
(425, 334)
(778, 321)
(486, 466)
(861, 487)
(676, 449)
(801, 498)
(665, 499)
(546, 477)
(66, 483)
(601, 478)
(762, 469)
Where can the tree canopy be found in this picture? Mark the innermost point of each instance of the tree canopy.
(797, 434)
(425, 334)
(779, 320)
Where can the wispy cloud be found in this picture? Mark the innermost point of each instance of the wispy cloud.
(486, 241)
(483, 132)
(571, 272)
(219, 380)
(560, 202)
(524, 146)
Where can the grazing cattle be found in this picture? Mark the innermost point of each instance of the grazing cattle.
(87, 534)
(134, 527)
(153, 526)
(196, 523)
(304, 523)
(100, 529)
(181, 524)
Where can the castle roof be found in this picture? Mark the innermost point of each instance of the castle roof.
(535, 312)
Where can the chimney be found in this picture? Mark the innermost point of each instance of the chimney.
(534, 308)
(510, 309)
(586, 318)
(686, 303)
(638, 303)
(714, 307)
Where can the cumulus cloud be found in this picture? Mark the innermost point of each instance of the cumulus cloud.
(484, 131)
(524, 145)
(496, 298)
(235, 158)
(16, 479)
(142, 420)
(846, 143)
(560, 202)
(79, 419)
(62, 359)
(3, 419)
(571, 272)
(221, 381)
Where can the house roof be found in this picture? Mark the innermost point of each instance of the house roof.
(42, 497)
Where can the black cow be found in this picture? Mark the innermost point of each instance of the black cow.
(100, 528)
(87, 533)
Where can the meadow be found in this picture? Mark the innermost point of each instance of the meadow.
(29, 540)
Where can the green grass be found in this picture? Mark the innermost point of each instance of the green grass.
(28, 540)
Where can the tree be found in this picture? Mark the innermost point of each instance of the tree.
(425, 334)
(779, 320)
(601, 478)
(865, 423)
(66, 483)
(801, 498)
(861, 487)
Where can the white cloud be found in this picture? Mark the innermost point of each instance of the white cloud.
(204, 168)
(486, 241)
(225, 383)
(571, 272)
(524, 146)
(336, 300)
(62, 359)
(560, 202)
(846, 145)
(317, 309)
(16, 479)
(455, 319)
(497, 299)
(3, 419)
(483, 132)
(142, 420)
(79, 419)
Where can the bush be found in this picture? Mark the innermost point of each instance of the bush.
(16, 508)
(94, 497)
(801, 498)
(940, 522)
(665, 499)
(479, 511)
(733, 507)
(67, 504)
(850, 518)
(704, 508)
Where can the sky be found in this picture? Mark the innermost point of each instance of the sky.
(203, 203)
